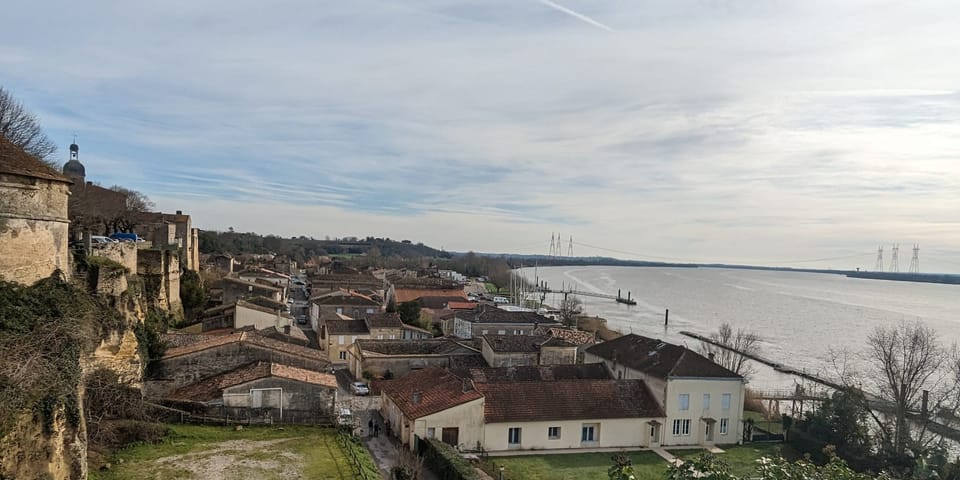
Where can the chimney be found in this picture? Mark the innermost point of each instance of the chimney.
(415, 398)
(711, 356)
(467, 386)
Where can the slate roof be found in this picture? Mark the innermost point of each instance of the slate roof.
(567, 400)
(428, 391)
(658, 358)
(535, 373)
(211, 388)
(346, 327)
(383, 320)
(488, 314)
(522, 343)
(15, 161)
(440, 346)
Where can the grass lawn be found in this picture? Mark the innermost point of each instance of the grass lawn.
(648, 465)
(571, 466)
(772, 426)
(742, 459)
(204, 452)
(491, 288)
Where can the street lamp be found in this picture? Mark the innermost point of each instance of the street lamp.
(501, 472)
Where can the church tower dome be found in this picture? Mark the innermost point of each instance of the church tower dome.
(74, 169)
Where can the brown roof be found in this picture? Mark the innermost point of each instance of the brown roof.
(438, 346)
(346, 327)
(522, 343)
(428, 391)
(536, 373)
(341, 297)
(488, 314)
(15, 161)
(266, 302)
(248, 337)
(383, 320)
(462, 305)
(576, 337)
(411, 294)
(567, 400)
(658, 358)
(211, 388)
(438, 302)
(237, 281)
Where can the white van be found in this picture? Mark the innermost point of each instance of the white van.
(500, 300)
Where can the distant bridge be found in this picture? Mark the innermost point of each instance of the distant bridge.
(582, 293)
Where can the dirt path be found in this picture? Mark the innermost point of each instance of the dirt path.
(236, 459)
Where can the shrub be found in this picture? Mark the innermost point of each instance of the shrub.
(446, 462)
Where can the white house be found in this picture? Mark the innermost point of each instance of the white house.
(703, 401)
(501, 414)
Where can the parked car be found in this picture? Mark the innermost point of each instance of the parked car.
(360, 388)
(126, 237)
(96, 240)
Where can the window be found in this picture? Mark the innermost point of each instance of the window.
(339, 309)
(343, 355)
(341, 340)
(589, 432)
(684, 401)
(391, 337)
(681, 427)
(513, 436)
(379, 337)
(553, 433)
(370, 310)
(725, 401)
(724, 425)
(431, 432)
(706, 401)
(501, 332)
(484, 332)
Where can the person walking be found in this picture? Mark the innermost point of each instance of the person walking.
(376, 430)
(370, 427)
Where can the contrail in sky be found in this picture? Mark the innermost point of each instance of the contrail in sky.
(574, 14)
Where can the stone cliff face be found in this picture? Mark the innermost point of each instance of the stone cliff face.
(53, 446)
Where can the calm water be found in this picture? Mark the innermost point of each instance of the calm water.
(800, 316)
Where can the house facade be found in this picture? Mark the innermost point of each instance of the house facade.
(541, 414)
(487, 320)
(703, 401)
(342, 302)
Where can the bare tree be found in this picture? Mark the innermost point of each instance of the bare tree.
(570, 307)
(903, 362)
(22, 128)
(732, 350)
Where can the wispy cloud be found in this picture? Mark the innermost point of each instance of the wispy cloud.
(576, 15)
(719, 131)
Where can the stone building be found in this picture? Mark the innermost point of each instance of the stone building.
(34, 224)
(526, 350)
(157, 227)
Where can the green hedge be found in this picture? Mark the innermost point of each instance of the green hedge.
(446, 462)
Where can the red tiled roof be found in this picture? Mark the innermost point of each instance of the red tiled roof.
(567, 400)
(462, 305)
(15, 161)
(212, 388)
(411, 294)
(428, 391)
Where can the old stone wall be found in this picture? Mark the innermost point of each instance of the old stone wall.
(33, 228)
(400, 366)
(124, 253)
(296, 395)
(186, 369)
(30, 451)
(160, 271)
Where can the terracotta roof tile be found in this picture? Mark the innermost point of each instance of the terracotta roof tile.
(212, 388)
(428, 391)
(410, 294)
(462, 305)
(536, 373)
(488, 314)
(522, 343)
(383, 320)
(15, 161)
(346, 327)
(248, 337)
(438, 346)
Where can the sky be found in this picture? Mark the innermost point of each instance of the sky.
(787, 133)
